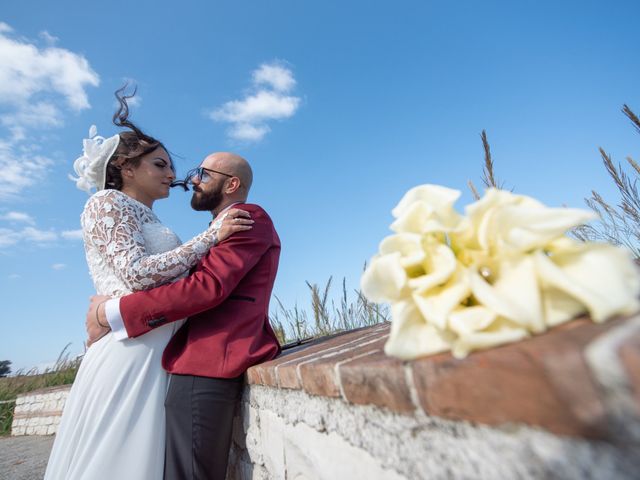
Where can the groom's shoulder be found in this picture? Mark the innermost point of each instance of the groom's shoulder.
(254, 209)
(259, 215)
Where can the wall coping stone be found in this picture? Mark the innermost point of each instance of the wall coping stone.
(45, 391)
(580, 379)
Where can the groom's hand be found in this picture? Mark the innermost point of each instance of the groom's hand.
(96, 321)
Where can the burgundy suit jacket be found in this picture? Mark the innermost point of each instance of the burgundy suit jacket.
(226, 301)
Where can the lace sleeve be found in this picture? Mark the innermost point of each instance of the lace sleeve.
(113, 225)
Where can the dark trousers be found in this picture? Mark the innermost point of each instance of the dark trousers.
(199, 414)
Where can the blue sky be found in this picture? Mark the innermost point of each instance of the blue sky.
(364, 100)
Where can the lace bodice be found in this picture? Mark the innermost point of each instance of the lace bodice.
(129, 249)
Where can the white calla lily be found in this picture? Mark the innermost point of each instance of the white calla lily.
(601, 277)
(502, 272)
(439, 264)
(409, 246)
(514, 294)
(427, 209)
(411, 336)
(385, 279)
(464, 321)
(480, 340)
(437, 197)
(437, 303)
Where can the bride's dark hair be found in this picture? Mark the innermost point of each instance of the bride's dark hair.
(133, 144)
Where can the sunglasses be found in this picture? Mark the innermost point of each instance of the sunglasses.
(203, 174)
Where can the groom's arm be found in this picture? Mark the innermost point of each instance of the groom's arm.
(220, 272)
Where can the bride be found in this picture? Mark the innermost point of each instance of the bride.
(113, 421)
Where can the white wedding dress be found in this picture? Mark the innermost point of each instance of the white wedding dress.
(113, 423)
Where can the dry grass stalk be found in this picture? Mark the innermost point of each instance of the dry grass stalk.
(632, 116)
(62, 373)
(294, 324)
(488, 176)
(618, 224)
(473, 189)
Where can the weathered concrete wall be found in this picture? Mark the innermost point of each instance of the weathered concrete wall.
(289, 434)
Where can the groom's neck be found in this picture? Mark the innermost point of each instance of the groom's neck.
(226, 204)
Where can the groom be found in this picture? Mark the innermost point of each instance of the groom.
(226, 300)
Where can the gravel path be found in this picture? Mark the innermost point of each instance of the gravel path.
(24, 458)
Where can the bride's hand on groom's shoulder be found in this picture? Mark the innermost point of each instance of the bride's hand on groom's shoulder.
(96, 320)
(230, 222)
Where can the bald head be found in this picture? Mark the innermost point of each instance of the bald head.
(231, 164)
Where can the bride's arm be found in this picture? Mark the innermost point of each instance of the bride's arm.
(110, 222)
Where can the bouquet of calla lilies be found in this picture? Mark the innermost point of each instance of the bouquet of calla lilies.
(503, 271)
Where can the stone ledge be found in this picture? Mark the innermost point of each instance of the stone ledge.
(558, 381)
(39, 412)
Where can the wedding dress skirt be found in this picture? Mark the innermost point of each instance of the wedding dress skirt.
(113, 424)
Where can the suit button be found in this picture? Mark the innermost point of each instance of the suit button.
(156, 322)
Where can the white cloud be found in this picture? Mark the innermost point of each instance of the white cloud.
(8, 237)
(264, 105)
(26, 71)
(59, 266)
(19, 170)
(48, 38)
(277, 76)
(14, 276)
(248, 132)
(36, 85)
(41, 114)
(18, 217)
(33, 234)
(269, 101)
(72, 234)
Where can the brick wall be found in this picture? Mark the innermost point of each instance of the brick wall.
(565, 404)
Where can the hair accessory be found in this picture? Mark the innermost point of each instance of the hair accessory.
(91, 167)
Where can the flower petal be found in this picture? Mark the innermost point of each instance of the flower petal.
(523, 228)
(411, 337)
(514, 295)
(409, 246)
(436, 196)
(384, 279)
(602, 277)
(439, 264)
(468, 320)
(559, 307)
(480, 340)
(437, 303)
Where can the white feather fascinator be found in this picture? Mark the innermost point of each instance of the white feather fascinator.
(91, 167)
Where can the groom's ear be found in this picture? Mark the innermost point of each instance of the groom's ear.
(233, 185)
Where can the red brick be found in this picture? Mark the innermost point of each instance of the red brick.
(287, 372)
(319, 374)
(376, 379)
(543, 381)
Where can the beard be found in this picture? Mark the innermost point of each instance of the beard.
(206, 201)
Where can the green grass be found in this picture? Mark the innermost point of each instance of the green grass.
(62, 373)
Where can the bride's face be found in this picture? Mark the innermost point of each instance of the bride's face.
(152, 178)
